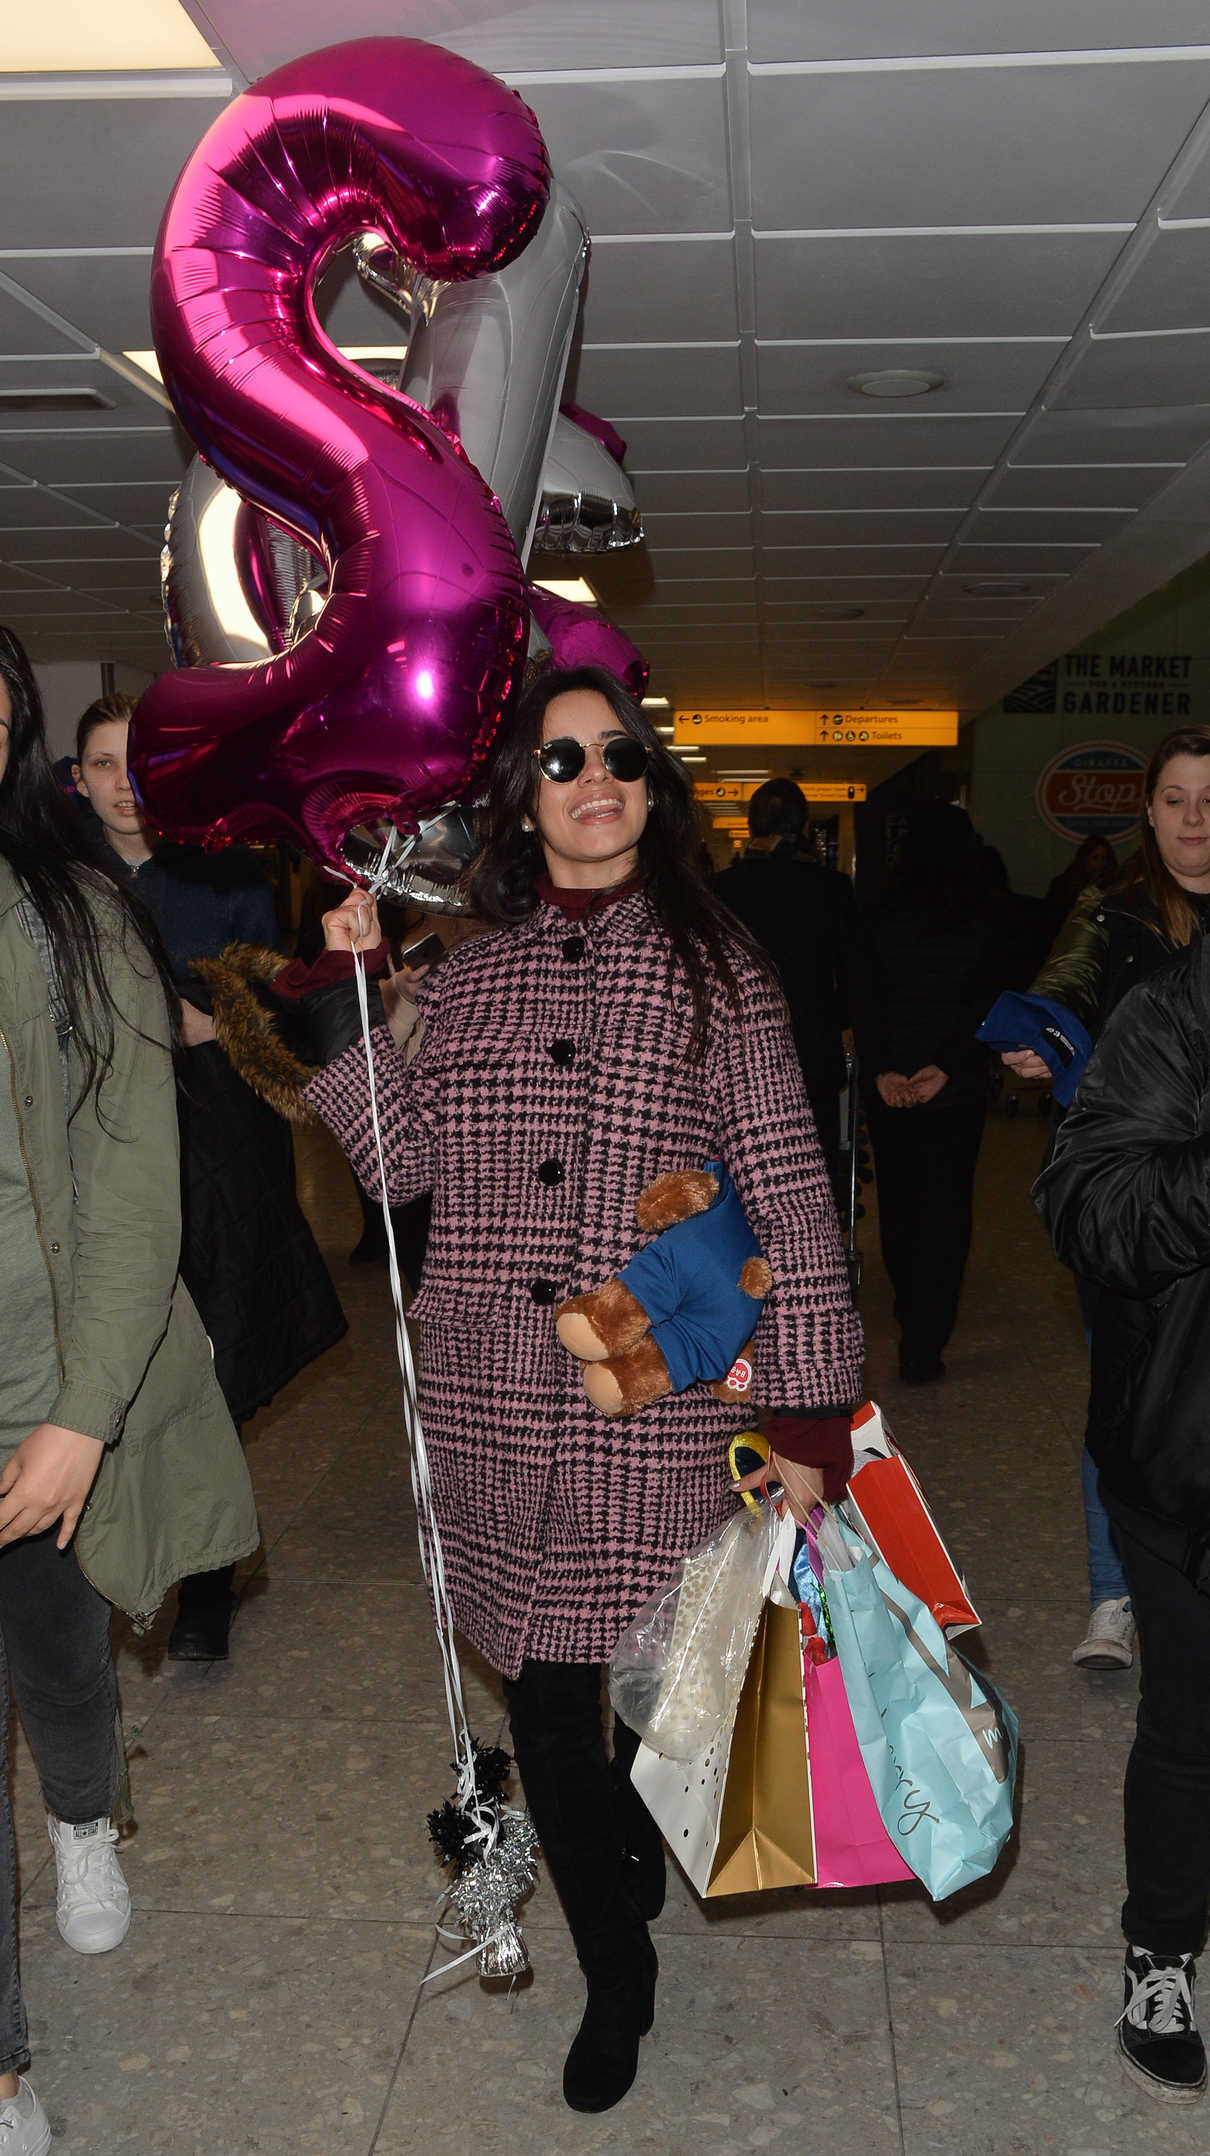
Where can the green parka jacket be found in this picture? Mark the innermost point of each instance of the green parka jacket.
(172, 1494)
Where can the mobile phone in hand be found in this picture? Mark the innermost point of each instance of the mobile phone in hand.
(428, 952)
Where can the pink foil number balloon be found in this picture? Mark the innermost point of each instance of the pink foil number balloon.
(386, 708)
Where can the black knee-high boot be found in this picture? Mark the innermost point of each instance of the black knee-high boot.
(642, 1843)
(559, 1744)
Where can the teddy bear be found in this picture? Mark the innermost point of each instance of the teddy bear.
(684, 1307)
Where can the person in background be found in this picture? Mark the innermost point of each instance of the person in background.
(1159, 905)
(921, 982)
(804, 917)
(1127, 1200)
(102, 1357)
(620, 1024)
(1094, 865)
(248, 1256)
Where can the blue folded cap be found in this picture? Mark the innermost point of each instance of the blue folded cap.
(1050, 1029)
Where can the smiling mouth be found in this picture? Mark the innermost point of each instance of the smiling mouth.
(596, 811)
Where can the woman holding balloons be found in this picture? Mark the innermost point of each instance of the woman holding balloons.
(619, 1025)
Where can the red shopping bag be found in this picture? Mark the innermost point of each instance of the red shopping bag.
(888, 1507)
(852, 1847)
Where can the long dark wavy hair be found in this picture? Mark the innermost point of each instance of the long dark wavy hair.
(703, 936)
(1145, 880)
(44, 843)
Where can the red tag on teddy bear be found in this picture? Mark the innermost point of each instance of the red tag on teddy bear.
(739, 1376)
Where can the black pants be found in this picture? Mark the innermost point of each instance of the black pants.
(1167, 1794)
(578, 1799)
(54, 1636)
(924, 1159)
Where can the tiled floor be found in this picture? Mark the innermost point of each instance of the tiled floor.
(269, 1998)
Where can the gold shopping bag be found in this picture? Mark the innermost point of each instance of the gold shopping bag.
(738, 1819)
(765, 1836)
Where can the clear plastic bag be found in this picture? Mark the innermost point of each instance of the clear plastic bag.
(678, 1671)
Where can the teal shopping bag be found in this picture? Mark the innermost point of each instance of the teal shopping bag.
(939, 1742)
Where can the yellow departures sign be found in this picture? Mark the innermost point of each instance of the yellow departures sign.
(722, 790)
(816, 729)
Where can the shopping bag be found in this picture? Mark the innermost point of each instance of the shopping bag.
(891, 1511)
(738, 1818)
(852, 1846)
(677, 1672)
(939, 1743)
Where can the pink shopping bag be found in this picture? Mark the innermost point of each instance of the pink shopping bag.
(852, 1847)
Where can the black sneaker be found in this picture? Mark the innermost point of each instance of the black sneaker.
(1157, 2034)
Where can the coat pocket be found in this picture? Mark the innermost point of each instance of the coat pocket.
(449, 1305)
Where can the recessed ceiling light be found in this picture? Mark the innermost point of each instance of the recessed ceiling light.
(656, 703)
(998, 588)
(576, 588)
(896, 382)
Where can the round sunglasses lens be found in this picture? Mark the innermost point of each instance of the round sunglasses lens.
(561, 760)
(625, 758)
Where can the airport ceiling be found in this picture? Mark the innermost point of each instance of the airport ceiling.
(1010, 198)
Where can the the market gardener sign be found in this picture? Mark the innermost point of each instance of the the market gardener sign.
(1109, 685)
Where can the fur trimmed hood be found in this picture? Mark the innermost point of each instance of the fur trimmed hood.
(249, 1032)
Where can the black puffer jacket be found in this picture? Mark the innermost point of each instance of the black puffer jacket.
(1127, 1201)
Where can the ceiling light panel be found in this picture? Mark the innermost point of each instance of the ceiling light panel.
(77, 37)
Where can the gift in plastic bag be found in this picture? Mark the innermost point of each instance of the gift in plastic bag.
(677, 1672)
(939, 1743)
(891, 1511)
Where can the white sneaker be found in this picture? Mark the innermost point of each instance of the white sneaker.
(92, 1906)
(24, 2126)
(1109, 1640)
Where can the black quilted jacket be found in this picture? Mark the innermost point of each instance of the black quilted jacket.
(1127, 1201)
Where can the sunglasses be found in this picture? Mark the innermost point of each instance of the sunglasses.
(562, 760)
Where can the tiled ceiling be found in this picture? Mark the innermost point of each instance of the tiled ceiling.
(1012, 195)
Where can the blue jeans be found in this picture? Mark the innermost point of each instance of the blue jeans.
(1107, 1581)
(54, 1649)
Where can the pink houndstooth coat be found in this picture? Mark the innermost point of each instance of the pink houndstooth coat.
(553, 1084)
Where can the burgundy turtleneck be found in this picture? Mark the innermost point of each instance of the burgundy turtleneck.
(578, 904)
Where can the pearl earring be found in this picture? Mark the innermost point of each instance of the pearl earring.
(526, 823)
(650, 801)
